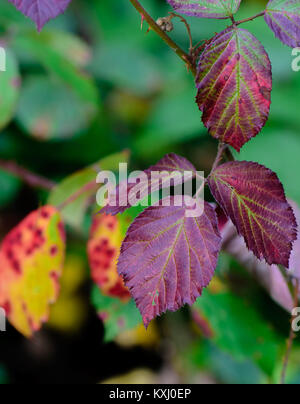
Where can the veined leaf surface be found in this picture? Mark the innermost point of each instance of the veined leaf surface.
(220, 9)
(41, 11)
(283, 17)
(234, 84)
(167, 258)
(253, 197)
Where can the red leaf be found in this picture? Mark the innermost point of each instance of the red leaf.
(41, 11)
(253, 197)
(167, 258)
(234, 84)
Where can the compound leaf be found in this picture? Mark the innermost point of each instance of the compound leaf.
(167, 258)
(253, 197)
(234, 84)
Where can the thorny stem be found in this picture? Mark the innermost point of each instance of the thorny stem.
(250, 18)
(292, 336)
(33, 180)
(176, 48)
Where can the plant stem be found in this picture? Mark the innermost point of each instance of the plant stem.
(291, 338)
(221, 149)
(33, 180)
(176, 48)
(250, 18)
(188, 28)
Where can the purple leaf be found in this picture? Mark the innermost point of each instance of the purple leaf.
(206, 8)
(268, 276)
(167, 258)
(166, 166)
(294, 264)
(253, 197)
(41, 11)
(283, 17)
(234, 84)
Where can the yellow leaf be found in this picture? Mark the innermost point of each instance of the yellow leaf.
(31, 262)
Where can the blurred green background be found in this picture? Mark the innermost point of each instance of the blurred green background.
(92, 84)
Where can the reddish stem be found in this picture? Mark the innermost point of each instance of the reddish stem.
(34, 180)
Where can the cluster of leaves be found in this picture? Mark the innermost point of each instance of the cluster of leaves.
(166, 258)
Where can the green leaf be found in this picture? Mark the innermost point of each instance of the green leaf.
(74, 212)
(9, 186)
(58, 64)
(10, 88)
(62, 114)
(239, 330)
(69, 46)
(116, 315)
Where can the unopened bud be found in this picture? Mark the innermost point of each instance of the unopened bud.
(165, 24)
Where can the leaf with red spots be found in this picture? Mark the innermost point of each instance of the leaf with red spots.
(170, 170)
(253, 197)
(41, 11)
(167, 257)
(234, 84)
(283, 17)
(103, 252)
(220, 9)
(117, 315)
(31, 261)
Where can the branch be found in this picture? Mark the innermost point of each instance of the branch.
(31, 179)
(176, 48)
(221, 150)
(291, 338)
(250, 18)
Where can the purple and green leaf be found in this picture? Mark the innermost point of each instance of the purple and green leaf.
(220, 9)
(234, 84)
(41, 11)
(168, 258)
(253, 197)
(283, 17)
(165, 169)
